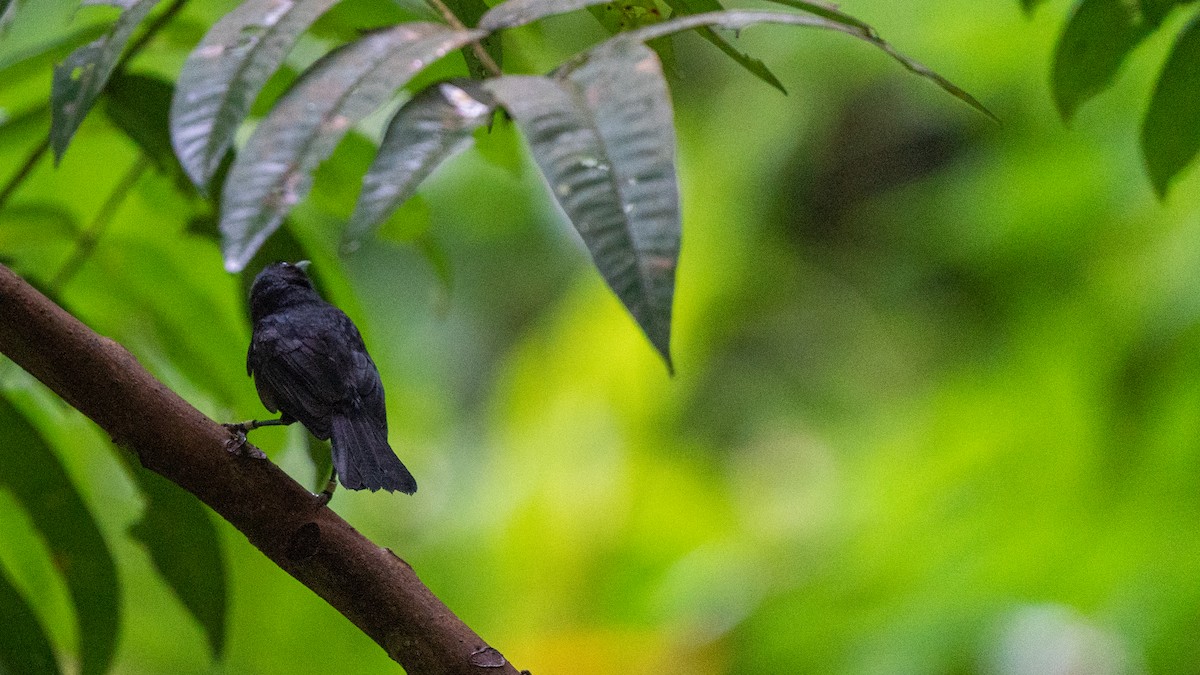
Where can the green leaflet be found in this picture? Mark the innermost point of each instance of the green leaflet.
(79, 80)
(37, 479)
(1171, 130)
(604, 138)
(434, 125)
(186, 550)
(226, 71)
(1090, 51)
(24, 648)
(274, 170)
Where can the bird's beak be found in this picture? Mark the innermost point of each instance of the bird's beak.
(303, 265)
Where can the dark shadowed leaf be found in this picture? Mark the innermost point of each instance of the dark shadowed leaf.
(37, 479)
(24, 648)
(225, 72)
(604, 138)
(1091, 49)
(274, 170)
(186, 550)
(755, 66)
(139, 106)
(435, 124)
(470, 12)
(1154, 11)
(1030, 5)
(741, 19)
(81, 77)
(1171, 130)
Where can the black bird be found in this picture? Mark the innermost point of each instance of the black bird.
(309, 363)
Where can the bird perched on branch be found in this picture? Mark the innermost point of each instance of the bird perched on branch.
(309, 363)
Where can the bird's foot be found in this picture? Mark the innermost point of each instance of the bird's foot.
(324, 496)
(238, 445)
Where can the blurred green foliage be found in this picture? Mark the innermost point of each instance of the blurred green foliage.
(935, 408)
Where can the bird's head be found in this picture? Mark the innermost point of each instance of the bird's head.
(280, 285)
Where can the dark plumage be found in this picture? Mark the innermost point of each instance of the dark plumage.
(309, 363)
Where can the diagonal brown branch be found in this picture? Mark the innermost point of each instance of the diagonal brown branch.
(368, 584)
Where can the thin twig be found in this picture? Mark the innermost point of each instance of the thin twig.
(86, 242)
(23, 173)
(476, 46)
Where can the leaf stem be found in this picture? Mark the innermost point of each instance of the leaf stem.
(23, 173)
(476, 46)
(85, 243)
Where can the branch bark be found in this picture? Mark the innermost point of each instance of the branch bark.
(370, 585)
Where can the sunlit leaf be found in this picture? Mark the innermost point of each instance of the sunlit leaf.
(273, 171)
(1171, 130)
(755, 66)
(470, 12)
(37, 479)
(186, 550)
(225, 72)
(139, 106)
(435, 125)
(741, 19)
(81, 77)
(24, 648)
(604, 138)
(1095, 42)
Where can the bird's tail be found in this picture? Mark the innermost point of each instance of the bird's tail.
(363, 458)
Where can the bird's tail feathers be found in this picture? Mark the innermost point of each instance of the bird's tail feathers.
(363, 458)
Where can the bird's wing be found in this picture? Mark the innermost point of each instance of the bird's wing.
(299, 372)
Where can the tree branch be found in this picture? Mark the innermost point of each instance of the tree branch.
(368, 584)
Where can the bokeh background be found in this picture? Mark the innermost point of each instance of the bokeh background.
(936, 401)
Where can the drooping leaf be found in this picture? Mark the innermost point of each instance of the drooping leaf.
(470, 12)
(24, 647)
(226, 71)
(434, 125)
(741, 19)
(755, 66)
(603, 136)
(1095, 42)
(81, 77)
(1171, 130)
(37, 479)
(186, 550)
(273, 171)
(139, 106)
